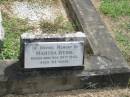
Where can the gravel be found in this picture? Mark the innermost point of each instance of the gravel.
(36, 12)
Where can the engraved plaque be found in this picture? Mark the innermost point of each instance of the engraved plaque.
(53, 54)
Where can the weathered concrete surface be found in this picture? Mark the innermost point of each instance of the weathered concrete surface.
(15, 79)
(104, 67)
(99, 39)
(74, 36)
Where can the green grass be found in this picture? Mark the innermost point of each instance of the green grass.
(59, 26)
(124, 43)
(115, 8)
(14, 27)
(2, 1)
(6, 1)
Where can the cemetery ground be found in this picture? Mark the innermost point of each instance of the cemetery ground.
(115, 14)
(14, 26)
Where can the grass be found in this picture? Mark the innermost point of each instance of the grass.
(14, 27)
(6, 1)
(58, 26)
(115, 8)
(124, 43)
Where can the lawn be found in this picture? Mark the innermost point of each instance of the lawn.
(115, 8)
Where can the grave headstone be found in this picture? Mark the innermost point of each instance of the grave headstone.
(1, 31)
(47, 51)
(1, 28)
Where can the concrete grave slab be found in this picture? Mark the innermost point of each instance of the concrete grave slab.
(104, 67)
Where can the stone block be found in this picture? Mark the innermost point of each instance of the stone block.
(2, 33)
(53, 50)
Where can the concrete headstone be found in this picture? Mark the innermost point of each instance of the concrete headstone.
(58, 51)
(1, 28)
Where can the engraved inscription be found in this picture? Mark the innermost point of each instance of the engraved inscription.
(53, 54)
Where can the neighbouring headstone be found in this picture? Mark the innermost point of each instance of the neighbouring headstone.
(1, 31)
(47, 51)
